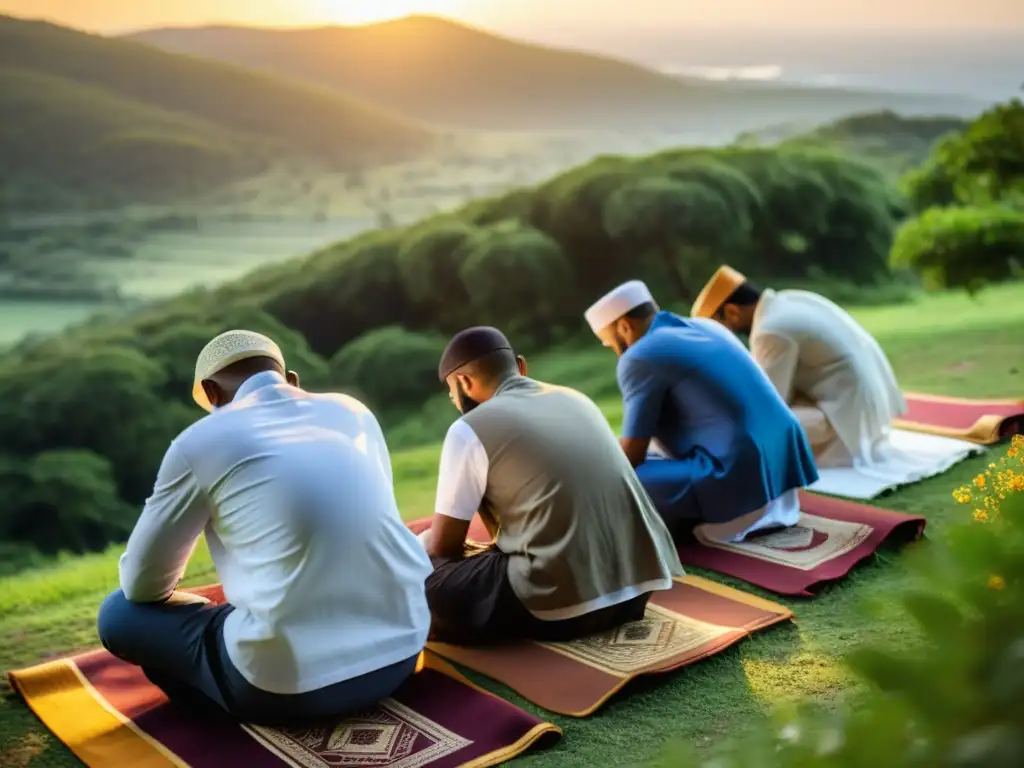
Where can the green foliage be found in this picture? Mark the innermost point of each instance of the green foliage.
(929, 186)
(429, 261)
(515, 275)
(962, 247)
(380, 306)
(680, 213)
(343, 292)
(65, 499)
(653, 214)
(891, 142)
(953, 700)
(982, 164)
(389, 367)
(970, 193)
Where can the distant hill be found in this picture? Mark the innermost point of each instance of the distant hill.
(436, 70)
(893, 141)
(82, 115)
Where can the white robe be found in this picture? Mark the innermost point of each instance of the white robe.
(840, 384)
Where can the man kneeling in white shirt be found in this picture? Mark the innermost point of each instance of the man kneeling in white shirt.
(326, 609)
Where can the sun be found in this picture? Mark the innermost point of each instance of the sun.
(369, 11)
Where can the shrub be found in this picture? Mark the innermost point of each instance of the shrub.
(962, 247)
(389, 367)
(956, 700)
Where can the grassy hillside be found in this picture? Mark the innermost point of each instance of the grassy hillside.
(947, 343)
(121, 148)
(895, 142)
(111, 119)
(440, 71)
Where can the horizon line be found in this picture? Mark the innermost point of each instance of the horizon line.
(521, 28)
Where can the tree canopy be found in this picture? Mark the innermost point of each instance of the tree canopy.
(370, 315)
(970, 198)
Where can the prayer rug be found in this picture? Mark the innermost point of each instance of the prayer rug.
(907, 457)
(693, 620)
(832, 536)
(111, 716)
(980, 421)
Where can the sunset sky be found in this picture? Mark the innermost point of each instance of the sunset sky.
(590, 15)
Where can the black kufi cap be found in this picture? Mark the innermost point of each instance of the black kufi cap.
(469, 345)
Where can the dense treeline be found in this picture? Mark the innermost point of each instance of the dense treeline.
(893, 142)
(970, 198)
(370, 315)
(99, 404)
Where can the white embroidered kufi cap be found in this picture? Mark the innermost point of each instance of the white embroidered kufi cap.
(229, 348)
(616, 303)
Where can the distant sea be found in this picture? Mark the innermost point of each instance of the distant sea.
(986, 65)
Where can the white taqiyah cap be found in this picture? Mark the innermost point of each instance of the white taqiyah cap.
(229, 348)
(616, 303)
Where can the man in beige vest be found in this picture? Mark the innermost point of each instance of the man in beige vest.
(578, 545)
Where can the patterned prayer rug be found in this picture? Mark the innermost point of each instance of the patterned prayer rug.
(980, 421)
(693, 620)
(111, 716)
(832, 536)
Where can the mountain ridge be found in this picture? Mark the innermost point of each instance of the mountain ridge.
(237, 118)
(440, 71)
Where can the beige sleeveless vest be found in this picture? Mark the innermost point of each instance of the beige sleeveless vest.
(564, 500)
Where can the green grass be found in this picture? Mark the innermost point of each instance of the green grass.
(946, 344)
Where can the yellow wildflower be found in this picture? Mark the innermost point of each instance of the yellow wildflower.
(990, 487)
(996, 582)
(962, 495)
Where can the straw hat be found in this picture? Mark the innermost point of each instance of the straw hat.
(719, 288)
(227, 349)
(616, 303)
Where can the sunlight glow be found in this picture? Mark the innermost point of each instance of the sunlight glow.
(370, 11)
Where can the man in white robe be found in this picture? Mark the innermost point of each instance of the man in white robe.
(835, 377)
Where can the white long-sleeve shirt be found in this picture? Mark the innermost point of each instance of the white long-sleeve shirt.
(294, 492)
(812, 348)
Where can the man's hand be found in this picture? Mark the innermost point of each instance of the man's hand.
(447, 537)
(635, 449)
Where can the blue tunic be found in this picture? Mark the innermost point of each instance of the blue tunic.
(733, 445)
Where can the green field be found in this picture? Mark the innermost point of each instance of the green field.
(946, 344)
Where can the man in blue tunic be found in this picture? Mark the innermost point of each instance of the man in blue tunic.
(730, 457)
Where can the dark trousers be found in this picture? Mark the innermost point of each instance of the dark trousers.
(472, 603)
(180, 646)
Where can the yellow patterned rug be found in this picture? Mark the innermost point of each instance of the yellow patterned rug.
(111, 716)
